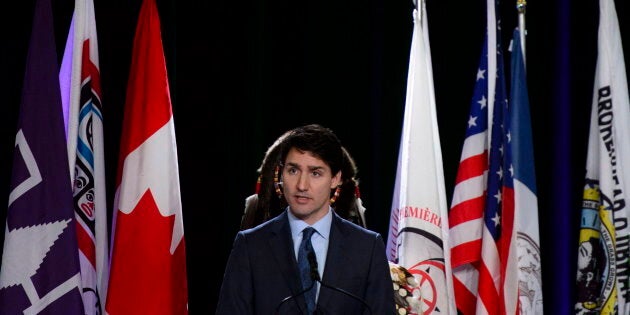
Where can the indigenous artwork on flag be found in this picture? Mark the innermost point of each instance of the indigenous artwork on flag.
(604, 241)
(81, 95)
(419, 215)
(593, 255)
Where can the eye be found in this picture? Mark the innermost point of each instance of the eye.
(316, 173)
(292, 170)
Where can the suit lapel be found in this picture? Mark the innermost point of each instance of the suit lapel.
(281, 245)
(335, 259)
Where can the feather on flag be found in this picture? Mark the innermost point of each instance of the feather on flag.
(148, 256)
(604, 241)
(80, 84)
(40, 264)
(419, 224)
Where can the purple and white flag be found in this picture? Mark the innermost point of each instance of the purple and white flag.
(40, 264)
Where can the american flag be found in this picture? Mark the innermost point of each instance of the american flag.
(498, 228)
(476, 215)
(469, 196)
(482, 211)
(466, 225)
(494, 215)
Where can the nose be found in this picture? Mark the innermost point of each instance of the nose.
(302, 183)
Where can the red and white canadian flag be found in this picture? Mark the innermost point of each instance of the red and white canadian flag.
(148, 253)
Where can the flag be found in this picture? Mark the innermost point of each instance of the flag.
(527, 271)
(40, 265)
(497, 256)
(418, 229)
(469, 195)
(604, 239)
(493, 220)
(148, 254)
(81, 96)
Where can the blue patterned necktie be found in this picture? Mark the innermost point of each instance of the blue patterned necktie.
(305, 268)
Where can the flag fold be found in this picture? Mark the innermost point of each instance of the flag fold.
(40, 271)
(148, 255)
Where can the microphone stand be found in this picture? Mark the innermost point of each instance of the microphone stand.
(315, 277)
(290, 297)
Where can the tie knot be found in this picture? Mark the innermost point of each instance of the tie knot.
(307, 233)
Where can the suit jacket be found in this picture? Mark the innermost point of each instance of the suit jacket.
(262, 271)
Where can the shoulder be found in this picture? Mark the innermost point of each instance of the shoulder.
(354, 230)
(273, 225)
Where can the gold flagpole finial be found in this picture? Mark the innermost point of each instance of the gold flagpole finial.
(520, 5)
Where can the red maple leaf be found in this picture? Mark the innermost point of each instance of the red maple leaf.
(145, 278)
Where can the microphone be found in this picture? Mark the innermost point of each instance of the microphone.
(315, 277)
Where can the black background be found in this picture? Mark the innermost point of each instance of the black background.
(243, 72)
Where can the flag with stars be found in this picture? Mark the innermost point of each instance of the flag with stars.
(468, 201)
(40, 263)
(497, 255)
(494, 213)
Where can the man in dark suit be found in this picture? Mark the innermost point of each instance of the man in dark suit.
(275, 268)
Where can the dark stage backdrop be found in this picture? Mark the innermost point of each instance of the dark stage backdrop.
(243, 72)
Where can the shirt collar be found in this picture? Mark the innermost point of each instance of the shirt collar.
(322, 226)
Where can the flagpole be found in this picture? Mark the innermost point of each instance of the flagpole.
(520, 6)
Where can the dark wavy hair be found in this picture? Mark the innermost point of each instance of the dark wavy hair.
(322, 143)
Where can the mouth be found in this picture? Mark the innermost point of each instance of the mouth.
(301, 198)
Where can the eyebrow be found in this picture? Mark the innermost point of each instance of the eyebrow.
(310, 168)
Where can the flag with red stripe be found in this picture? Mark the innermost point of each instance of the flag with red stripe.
(497, 221)
(494, 213)
(80, 85)
(148, 256)
(469, 196)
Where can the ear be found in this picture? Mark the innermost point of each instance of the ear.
(336, 180)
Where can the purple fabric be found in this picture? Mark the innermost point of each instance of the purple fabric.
(40, 253)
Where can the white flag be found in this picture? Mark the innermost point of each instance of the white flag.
(418, 233)
(603, 257)
(81, 97)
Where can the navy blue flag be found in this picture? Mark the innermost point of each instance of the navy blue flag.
(40, 263)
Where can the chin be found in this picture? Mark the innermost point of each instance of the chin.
(301, 211)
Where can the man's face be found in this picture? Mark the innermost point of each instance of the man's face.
(307, 183)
